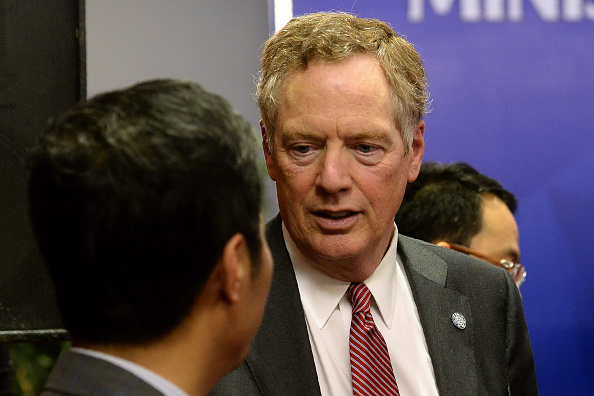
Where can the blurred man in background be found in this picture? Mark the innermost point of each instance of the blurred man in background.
(455, 206)
(145, 202)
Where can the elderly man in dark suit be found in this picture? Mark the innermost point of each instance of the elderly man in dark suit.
(356, 308)
(146, 206)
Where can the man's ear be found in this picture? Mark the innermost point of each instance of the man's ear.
(417, 151)
(444, 244)
(267, 147)
(236, 265)
(265, 142)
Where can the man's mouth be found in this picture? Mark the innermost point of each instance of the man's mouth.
(335, 215)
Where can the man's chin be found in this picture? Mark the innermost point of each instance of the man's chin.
(335, 250)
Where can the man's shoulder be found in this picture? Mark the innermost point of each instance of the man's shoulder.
(78, 374)
(273, 226)
(456, 267)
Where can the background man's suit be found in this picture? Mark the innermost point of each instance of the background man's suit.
(491, 351)
(78, 374)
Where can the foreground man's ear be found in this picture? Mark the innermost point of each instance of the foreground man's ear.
(236, 267)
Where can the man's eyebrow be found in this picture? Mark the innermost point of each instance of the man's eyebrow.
(288, 135)
(371, 135)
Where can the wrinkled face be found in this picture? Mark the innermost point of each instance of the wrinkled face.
(338, 161)
(499, 236)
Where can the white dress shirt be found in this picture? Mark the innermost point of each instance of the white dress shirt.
(328, 313)
(153, 379)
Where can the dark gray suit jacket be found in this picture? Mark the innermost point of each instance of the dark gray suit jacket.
(491, 356)
(78, 374)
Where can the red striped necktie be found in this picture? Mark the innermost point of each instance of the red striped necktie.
(371, 369)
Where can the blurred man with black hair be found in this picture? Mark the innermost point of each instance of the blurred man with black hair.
(455, 206)
(145, 202)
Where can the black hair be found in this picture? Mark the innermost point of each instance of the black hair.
(133, 195)
(444, 203)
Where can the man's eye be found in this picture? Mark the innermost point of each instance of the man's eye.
(364, 148)
(302, 149)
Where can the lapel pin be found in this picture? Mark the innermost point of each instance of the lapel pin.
(459, 320)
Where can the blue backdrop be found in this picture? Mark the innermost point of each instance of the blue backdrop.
(512, 83)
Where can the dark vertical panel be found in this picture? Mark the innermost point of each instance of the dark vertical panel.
(41, 75)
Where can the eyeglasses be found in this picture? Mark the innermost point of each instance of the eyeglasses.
(517, 270)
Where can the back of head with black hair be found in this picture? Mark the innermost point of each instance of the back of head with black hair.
(133, 196)
(444, 203)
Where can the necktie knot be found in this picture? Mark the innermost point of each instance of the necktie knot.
(360, 297)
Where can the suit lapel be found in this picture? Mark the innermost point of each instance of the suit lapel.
(280, 357)
(284, 365)
(450, 348)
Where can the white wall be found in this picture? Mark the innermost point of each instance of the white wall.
(213, 42)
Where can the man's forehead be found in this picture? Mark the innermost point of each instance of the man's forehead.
(499, 231)
(357, 85)
(358, 64)
(491, 199)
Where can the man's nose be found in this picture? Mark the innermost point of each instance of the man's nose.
(334, 173)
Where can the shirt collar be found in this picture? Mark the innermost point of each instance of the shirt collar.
(321, 293)
(155, 380)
